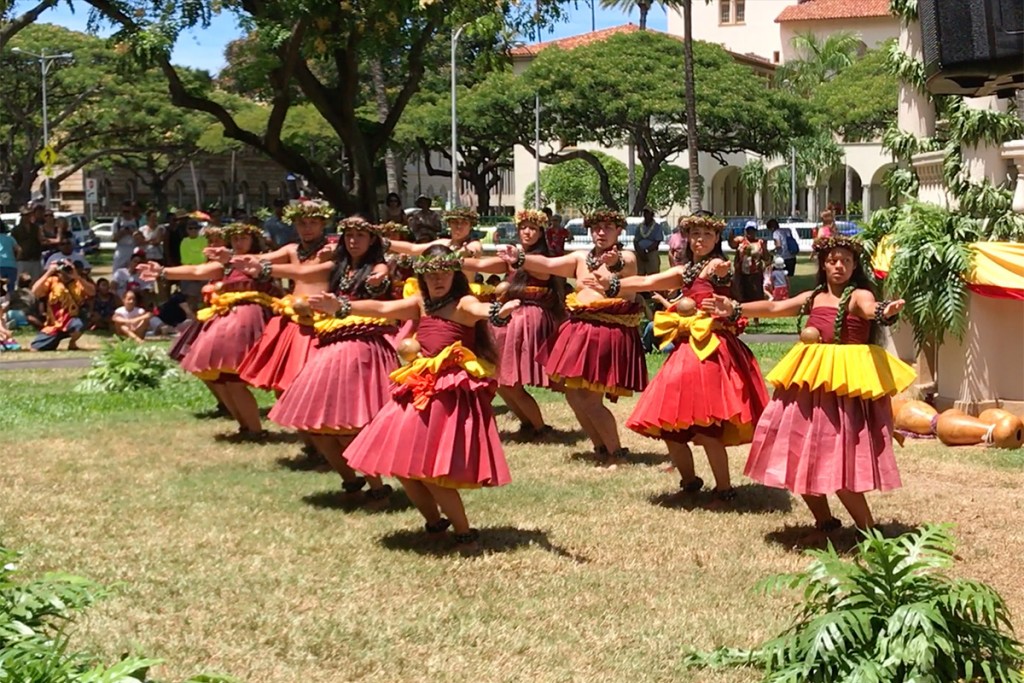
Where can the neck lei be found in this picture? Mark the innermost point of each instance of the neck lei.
(646, 230)
(593, 263)
(432, 306)
(306, 252)
(692, 270)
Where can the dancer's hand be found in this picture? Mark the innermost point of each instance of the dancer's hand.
(324, 302)
(718, 306)
(601, 281)
(375, 278)
(510, 254)
(508, 307)
(148, 271)
(326, 253)
(611, 257)
(720, 268)
(894, 308)
(218, 254)
(247, 265)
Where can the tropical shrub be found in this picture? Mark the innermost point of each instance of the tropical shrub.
(127, 366)
(889, 615)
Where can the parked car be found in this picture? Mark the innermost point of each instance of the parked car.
(803, 231)
(505, 233)
(105, 233)
(85, 240)
(581, 236)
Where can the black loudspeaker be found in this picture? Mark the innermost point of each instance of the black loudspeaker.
(973, 47)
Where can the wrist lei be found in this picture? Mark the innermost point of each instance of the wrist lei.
(614, 286)
(266, 270)
(378, 289)
(495, 316)
(737, 311)
(344, 308)
(520, 258)
(880, 314)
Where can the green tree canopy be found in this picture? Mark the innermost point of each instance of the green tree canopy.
(860, 101)
(630, 87)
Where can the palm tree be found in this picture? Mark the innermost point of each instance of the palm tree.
(691, 100)
(627, 6)
(818, 60)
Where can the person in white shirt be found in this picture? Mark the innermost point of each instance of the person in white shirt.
(151, 237)
(67, 252)
(128, 279)
(124, 229)
(133, 321)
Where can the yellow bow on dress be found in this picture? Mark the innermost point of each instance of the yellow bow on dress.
(699, 327)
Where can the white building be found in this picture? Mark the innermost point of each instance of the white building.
(758, 33)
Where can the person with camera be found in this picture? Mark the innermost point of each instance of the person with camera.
(64, 290)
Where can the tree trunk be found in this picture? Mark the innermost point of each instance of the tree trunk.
(381, 96)
(483, 193)
(691, 107)
(644, 8)
(158, 193)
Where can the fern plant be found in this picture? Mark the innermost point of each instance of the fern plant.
(889, 615)
(127, 366)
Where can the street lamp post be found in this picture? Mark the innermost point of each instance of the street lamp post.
(44, 68)
(792, 181)
(455, 121)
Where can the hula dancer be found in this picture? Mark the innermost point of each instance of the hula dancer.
(232, 324)
(345, 383)
(828, 428)
(525, 343)
(597, 352)
(709, 391)
(437, 434)
(289, 340)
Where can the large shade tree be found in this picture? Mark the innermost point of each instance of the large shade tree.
(15, 16)
(323, 48)
(630, 87)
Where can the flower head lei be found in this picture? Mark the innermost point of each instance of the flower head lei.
(826, 244)
(437, 263)
(538, 218)
(241, 229)
(462, 213)
(359, 223)
(392, 226)
(308, 208)
(691, 222)
(605, 216)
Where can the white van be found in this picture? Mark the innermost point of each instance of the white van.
(85, 240)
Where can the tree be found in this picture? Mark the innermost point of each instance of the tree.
(866, 116)
(630, 87)
(11, 23)
(818, 60)
(94, 107)
(322, 48)
(628, 6)
(753, 175)
(696, 191)
(485, 138)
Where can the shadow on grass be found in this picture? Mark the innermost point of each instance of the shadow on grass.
(750, 499)
(801, 537)
(633, 459)
(266, 439)
(304, 461)
(336, 499)
(497, 539)
(555, 436)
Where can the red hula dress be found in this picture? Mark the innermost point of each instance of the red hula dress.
(599, 348)
(829, 426)
(287, 344)
(232, 324)
(525, 343)
(710, 384)
(191, 330)
(439, 426)
(345, 383)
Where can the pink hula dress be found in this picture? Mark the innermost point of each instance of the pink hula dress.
(439, 426)
(345, 383)
(525, 343)
(710, 384)
(829, 426)
(232, 324)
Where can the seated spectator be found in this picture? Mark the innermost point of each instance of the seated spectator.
(24, 308)
(10, 252)
(175, 312)
(102, 306)
(64, 290)
(133, 321)
(66, 252)
(7, 342)
(128, 279)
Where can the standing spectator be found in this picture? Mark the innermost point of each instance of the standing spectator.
(49, 235)
(9, 254)
(150, 237)
(425, 223)
(102, 306)
(750, 261)
(393, 211)
(66, 251)
(779, 280)
(649, 237)
(64, 290)
(786, 246)
(278, 231)
(131, 320)
(557, 235)
(828, 225)
(192, 255)
(24, 308)
(26, 234)
(677, 242)
(128, 279)
(124, 229)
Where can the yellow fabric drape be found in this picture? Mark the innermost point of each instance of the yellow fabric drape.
(598, 311)
(858, 370)
(221, 303)
(326, 325)
(421, 374)
(283, 307)
(699, 327)
(998, 266)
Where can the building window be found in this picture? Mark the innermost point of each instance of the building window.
(732, 11)
(775, 57)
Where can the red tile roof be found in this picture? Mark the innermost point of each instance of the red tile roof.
(812, 10)
(574, 41)
(605, 33)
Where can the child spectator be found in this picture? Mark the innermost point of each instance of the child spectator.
(128, 279)
(779, 280)
(131, 320)
(102, 306)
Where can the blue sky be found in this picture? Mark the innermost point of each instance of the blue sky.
(204, 49)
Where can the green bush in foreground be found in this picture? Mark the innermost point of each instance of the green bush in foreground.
(889, 615)
(35, 617)
(127, 366)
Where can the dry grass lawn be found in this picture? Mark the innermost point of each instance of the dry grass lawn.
(242, 560)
